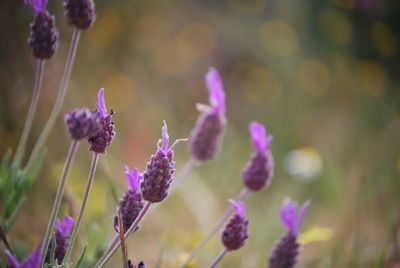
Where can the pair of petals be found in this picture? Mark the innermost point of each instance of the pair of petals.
(290, 218)
(36, 5)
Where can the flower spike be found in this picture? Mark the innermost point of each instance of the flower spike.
(101, 105)
(289, 216)
(33, 260)
(258, 137)
(239, 207)
(133, 177)
(216, 91)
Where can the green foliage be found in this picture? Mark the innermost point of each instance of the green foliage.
(14, 183)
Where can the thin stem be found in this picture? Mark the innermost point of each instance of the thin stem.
(83, 206)
(122, 239)
(190, 164)
(228, 211)
(109, 248)
(104, 261)
(59, 100)
(218, 258)
(57, 201)
(31, 112)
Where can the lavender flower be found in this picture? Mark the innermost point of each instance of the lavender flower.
(100, 141)
(44, 34)
(131, 203)
(62, 234)
(235, 232)
(258, 171)
(140, 265)
(158, 176)
(80, 13)
(33, 260)
(206, 137)
(82, 123)
(287, 248)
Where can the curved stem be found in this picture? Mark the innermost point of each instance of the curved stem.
(57, 201)
(31, 112)
(59, 100)
(107, 257)
(218, 258)
(243, 194)
(83, 206)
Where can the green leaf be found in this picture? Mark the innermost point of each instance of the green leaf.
(81, 258)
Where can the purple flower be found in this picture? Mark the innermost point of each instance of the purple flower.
(235, 232)
(140, 265)
(62, 234)
(259, 170)
(100, 141)
(131, 203)
(206, 137)
(33, 260)
(158, 176)
(286, 250)
(80, 13)
(44, 35)
(82, 123)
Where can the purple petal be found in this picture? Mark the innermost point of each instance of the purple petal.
(12, 260)
(216, 90)
(288, 215)
(65, 226)
(133, 177)
(165, 137)
(301, 215)
(101, 104)
(258, 137)
(33, 261)
(239, 206)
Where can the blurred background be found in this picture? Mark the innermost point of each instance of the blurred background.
(321, 75)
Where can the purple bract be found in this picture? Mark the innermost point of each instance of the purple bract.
(32, 261)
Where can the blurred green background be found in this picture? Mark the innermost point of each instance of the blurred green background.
(321, 75)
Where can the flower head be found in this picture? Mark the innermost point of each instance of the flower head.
(239, 207)
(82, 123)
(290, 218)
(80, 13)
(32, 261)
(133, 177)
(37, 5)
(216, 91)
(259, 139)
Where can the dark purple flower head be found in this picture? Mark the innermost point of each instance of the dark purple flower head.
(62, 235)
(286, 250)
(82, 123)
(259, 170)
(140, 265)
(33, 260)
(206, 137)
(158, 176)
(100, 141)
(235, 232)
(44, 35)
(80, 13)
(131, 203)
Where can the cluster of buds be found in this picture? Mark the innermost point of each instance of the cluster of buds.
(44, 35)
(235, 232)
(159, 174)
(286, 249)
(259, 170)
(131, 203)
(80, 13)
(82, 123)
(62, 235)
(206, 137)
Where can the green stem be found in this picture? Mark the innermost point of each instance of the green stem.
(59, 100)
(78, 222)
(57, 201)
(214, 229)
(31, 112)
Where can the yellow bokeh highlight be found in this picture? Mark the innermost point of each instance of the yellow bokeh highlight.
(279, 38)
(373, 78)
(314, 77)
(315, 234)
(197, 40)
(335, 25)
(247, 6)
(261, 83)
(107, 28)
(384, 39)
